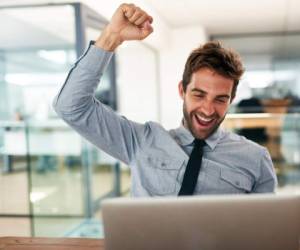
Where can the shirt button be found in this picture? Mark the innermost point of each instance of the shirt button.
(163, 164)
(237, 183)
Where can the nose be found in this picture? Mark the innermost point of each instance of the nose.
(207, 108)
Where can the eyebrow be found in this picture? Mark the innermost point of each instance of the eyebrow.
(205, 93)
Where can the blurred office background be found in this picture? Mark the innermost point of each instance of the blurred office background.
(52, 181)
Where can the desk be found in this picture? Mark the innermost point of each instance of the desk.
(263, 120)
(20, 243)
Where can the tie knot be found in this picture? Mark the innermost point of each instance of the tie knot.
(199, 143)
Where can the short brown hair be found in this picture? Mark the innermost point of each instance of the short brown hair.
(212, 55)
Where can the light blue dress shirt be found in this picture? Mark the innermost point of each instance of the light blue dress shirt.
(231, 164)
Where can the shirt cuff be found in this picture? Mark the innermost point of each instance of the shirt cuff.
(95, 59)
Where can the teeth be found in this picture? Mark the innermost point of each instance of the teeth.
(203, 119)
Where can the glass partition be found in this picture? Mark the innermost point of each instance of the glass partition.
(57, 185)
(13, 198)
(51, 180)
(34, 67)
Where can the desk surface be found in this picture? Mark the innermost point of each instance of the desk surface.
(22, 243)
(264, 120)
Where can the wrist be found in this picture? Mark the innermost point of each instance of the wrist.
(108, 40)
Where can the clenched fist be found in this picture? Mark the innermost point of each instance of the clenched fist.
(129, 22)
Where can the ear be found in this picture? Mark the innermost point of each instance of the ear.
(180, 90)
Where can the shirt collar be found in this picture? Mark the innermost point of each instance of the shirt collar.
(186, 138)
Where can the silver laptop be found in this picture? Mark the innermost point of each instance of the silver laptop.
(254, 222)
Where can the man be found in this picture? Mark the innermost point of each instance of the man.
(168, 162)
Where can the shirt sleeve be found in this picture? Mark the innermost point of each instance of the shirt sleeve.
(267, 181)
(98, 123)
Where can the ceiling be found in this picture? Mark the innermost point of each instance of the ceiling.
(231, 16)
(261, 30)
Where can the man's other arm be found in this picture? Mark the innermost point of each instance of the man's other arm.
(267, 182)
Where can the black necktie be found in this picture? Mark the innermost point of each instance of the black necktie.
(192, 169)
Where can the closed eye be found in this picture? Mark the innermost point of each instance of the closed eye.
(222, 100)
(200, 96)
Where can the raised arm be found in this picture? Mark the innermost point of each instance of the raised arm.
(76, 104)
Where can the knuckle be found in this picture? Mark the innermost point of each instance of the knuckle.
(124, 5)
(139, 15)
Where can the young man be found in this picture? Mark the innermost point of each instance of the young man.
(168, 162)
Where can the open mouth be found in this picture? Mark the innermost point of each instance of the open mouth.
(203, 121)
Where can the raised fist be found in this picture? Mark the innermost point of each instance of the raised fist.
(129, 22)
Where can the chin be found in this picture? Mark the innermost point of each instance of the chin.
(201, 134)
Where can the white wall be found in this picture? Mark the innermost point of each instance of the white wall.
(172, 61)
(137, 87)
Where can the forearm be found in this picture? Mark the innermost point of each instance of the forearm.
(82, 80)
